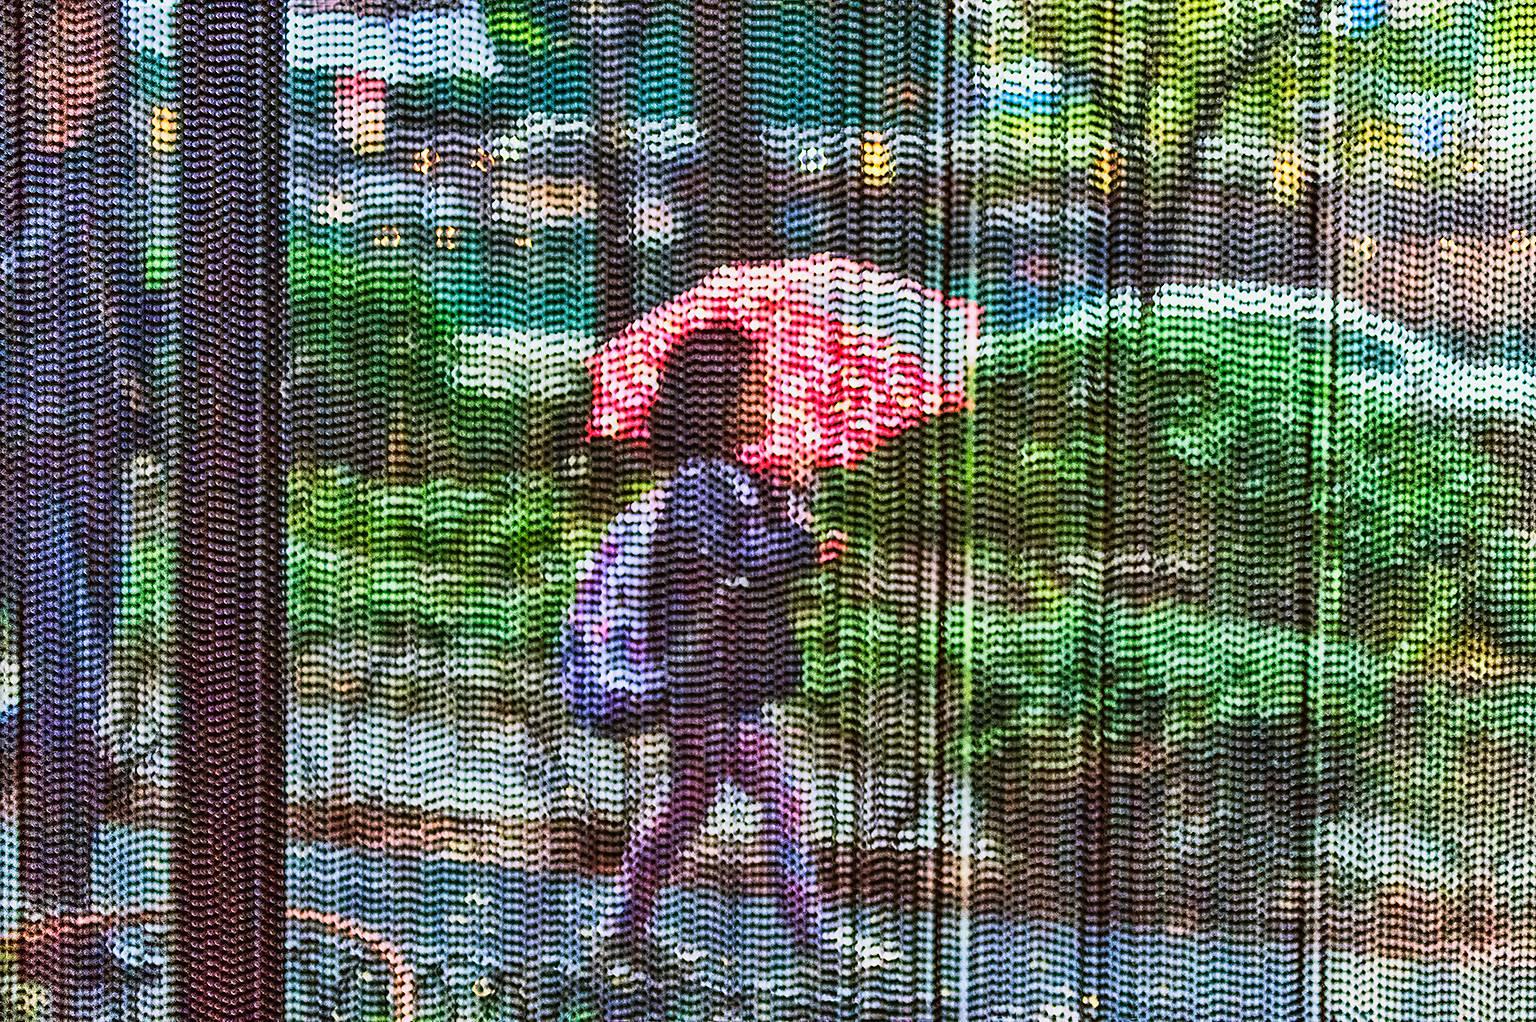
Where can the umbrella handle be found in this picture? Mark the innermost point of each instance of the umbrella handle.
(800, 504)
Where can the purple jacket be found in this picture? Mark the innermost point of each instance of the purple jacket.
(726, 563)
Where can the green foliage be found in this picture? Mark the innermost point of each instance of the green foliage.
(21, 1002)
(1413, 498)
(1444, 54)
(159, 266)
(514, 30)
(529, 426)
(1221, 419)
(1512, 36)
(1236, 439)
(1506, 595)
(376, 348)
(495, 530)
(1242, 406)
(1465, 744)
(396, 600)
(1028, 680)
(147, 595)
(1172, 673)
(1202, 670)
(370, 342)
(437, 563)
(1151, 68)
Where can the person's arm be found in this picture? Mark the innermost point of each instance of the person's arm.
(792, 504)
(785, 547)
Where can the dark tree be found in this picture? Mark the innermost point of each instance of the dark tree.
(731, 192)
(614, 32)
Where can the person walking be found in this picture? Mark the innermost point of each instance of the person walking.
(74, 367)
(731, 543)
(745, 386)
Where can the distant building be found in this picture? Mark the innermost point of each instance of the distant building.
(395, 40)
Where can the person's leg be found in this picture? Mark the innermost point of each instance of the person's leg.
(63, 665)
(655, 850)
(92, 417)
(10, 576)
(759, 769)
(69, 523)
(10, 734)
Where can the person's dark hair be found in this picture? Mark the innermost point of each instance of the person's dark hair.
(699, 402)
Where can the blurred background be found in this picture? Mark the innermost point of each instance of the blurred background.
(1189, 673)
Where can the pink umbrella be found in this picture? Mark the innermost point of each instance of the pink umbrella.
(855, 355)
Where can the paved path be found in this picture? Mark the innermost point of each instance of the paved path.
(491, 942)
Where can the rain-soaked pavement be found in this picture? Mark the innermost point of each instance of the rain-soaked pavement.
(489, 942)
(502, 937)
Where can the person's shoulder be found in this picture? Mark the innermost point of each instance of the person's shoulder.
(715, 481)
(724, 479)
(690, 483)
(711, 472)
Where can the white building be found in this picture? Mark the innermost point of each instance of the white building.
(398, 42)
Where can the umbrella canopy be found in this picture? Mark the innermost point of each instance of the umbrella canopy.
(854, 355)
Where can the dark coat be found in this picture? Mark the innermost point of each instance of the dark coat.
(75, 331)
(726, 565)
(68, 422)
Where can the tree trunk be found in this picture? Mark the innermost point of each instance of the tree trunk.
(734, 209)
(614, 30)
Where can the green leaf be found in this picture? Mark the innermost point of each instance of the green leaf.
(512, 27)
(1508, 589)
(160, 265)
(515, 29)
(1512, 36)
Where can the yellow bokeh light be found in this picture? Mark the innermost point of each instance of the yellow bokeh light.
(447, 237)
(1107, 166)
(1465, 251)
(1376, 135)
(426, 161)
(1289, 176)
(1363, 248)
(164, 127)
(877, 162)
(368, 136)
(387, 237)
